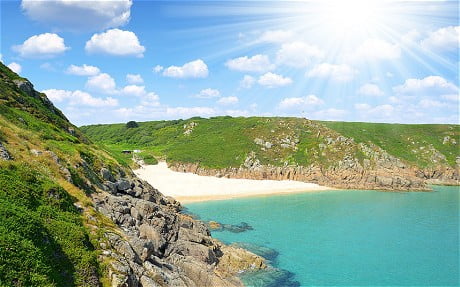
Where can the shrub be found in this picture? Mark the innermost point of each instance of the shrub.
(132, 124)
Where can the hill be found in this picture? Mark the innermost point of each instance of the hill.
(72, 215)
(341, 154)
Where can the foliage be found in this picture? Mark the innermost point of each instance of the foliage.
(221, 142)
(42, 239)
(131, 124)
(408, 142)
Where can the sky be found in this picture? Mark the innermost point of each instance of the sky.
(355, 60)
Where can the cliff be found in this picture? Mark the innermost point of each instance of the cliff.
(72, 215)
(336, 154)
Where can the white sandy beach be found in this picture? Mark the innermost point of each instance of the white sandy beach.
(189, 187)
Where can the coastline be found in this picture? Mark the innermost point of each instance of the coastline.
(189, 187)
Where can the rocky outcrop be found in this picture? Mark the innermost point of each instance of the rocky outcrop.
(156, 245)
(375, 169)
(348, 174)
(4, 154)
(441, 175)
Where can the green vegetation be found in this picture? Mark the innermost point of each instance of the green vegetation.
(404, 141)
(42, 238)
(221, 142)
(45, 239)
(131, 124)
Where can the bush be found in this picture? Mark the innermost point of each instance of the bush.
(131, 124)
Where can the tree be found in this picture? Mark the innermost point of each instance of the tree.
(131, 124)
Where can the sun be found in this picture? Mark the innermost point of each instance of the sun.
(351, 18)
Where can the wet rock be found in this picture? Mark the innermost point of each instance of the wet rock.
(265, 252)
(237, 228)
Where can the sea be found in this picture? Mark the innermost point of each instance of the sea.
(344, 237)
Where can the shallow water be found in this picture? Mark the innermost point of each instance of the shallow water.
(347, 237)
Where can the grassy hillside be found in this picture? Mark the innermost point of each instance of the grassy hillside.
(45, 213)
(412, 143)
(226, 142)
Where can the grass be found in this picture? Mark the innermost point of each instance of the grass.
(404, 141)
(42, 239)
(45, 240)
(222, 142)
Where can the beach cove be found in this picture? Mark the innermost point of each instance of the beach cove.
(189, 187)
(339, 237)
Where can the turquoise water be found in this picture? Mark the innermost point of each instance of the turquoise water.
(348, 237)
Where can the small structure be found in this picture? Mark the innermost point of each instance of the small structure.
(136, 151)
(126, 151)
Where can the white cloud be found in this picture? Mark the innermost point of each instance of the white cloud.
(444, 39)
(431, 85)
(85, 99)
(338, 73)
(15, 67)
(133, 90)
(299, 103)
(45, 45)
(158, 69)
(247, 82)
(411, 37)
(78, 15)
(379, 112)
(275, 36)
(429, 104)
(376, 49)
(79, 98)
(272, 80)
(151, 99)
(228, 101)
(451, 97)
(85, 70)
(194, 69)
(57, 96)
(187, 112)
(370, 90)
(258, 63)
(102, 83)
(208, 93)
(134, 79)
(362, 107)
(394, 100)
(298, 54)
(115, 42)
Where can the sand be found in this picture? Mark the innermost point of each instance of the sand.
(189, 187)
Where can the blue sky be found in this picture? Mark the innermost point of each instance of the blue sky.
(114, 61)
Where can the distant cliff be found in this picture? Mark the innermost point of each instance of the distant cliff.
(72, 215)
(337, 154)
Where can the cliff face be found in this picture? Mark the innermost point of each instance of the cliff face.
(71, 215)
(379, 171)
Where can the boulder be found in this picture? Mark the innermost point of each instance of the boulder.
(123, 185)
(111, 187)
(107, 175)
